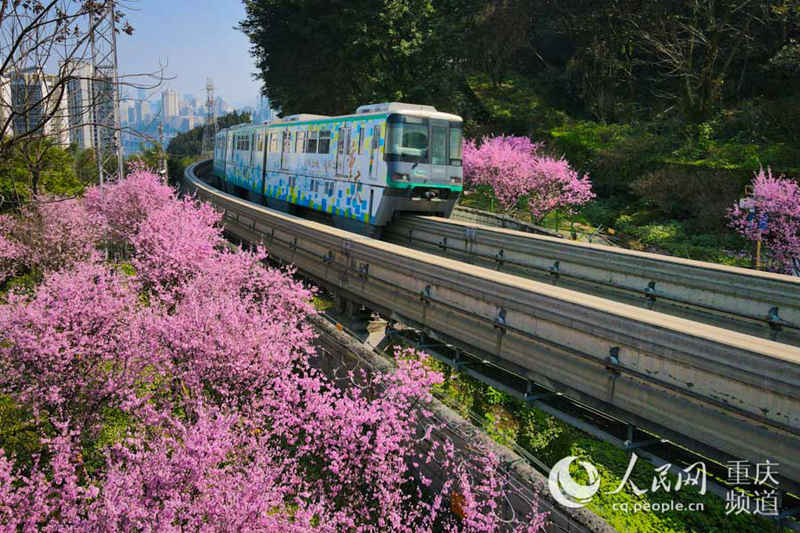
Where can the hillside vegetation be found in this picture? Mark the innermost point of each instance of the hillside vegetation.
(669, 107)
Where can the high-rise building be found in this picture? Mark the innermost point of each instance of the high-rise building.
(127, 113)
(80, 104)
(186, 109)
(90, 96)
(36, 108)
(169, 104)
(264, 113)
(144, 114)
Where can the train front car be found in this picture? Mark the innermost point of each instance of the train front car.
(422, 152)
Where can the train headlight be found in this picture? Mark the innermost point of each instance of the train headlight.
(455, 180)
(400, 177)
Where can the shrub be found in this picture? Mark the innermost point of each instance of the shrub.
(700, 195)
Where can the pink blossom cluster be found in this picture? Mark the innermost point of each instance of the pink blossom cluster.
(775, 219)
(50, 235)
(177, 391)
(520, 176)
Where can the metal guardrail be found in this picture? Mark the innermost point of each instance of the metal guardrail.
(718, 392)
(758, 303)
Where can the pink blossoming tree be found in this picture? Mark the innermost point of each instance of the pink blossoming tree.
(521, 177)
(775, 219)
(177, 391)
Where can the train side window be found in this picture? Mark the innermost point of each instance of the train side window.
(299, 141)
(360, 137)
(324, 142)
(311, 148)
(273, 142)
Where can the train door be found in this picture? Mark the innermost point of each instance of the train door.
(264, 147)
(373, 150)
(342, 151)
(222, 143)
(284, 149)
(439, 139)
(229, 163)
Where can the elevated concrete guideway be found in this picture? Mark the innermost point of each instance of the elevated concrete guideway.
(720, 392)
(762, 304)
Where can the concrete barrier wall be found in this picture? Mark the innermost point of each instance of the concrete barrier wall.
(743, 294)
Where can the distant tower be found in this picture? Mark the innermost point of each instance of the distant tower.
(105, 92)
(210, 128)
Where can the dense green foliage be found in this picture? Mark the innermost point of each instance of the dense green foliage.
(317, 56)
(510, 421)
(185, 148)
(669, 106)
(190, 143)
(38, 166)
(609, 61)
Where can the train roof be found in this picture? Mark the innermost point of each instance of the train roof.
(383, 109)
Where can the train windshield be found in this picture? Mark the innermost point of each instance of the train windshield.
(420, 140)
(408, 138)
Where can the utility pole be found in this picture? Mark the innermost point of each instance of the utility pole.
(105, 92)
(210, 128)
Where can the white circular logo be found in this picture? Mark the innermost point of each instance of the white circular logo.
(564, 489)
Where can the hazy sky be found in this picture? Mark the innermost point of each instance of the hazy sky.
(197, 38)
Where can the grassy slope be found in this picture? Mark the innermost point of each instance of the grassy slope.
(508, 420)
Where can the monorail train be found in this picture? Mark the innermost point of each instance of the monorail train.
(359, 169)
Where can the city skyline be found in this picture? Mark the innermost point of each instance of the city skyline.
(183, 34)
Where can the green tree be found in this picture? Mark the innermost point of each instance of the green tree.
(320, 56)
(38, 166)
(150, 155)
(85, 165)
(190, 143)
